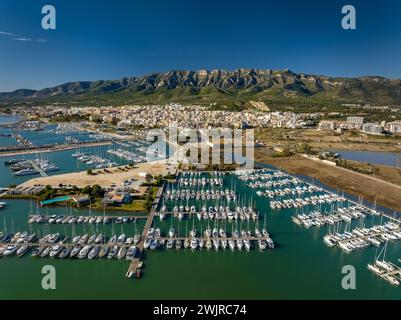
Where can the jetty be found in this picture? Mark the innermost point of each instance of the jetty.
(136, 262)
(37, 168)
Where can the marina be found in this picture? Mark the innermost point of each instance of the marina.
(385, 269)
(231, 222)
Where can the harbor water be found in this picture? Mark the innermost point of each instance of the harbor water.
(300, 267)
(382, 158)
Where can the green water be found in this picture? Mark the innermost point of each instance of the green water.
(301, 267)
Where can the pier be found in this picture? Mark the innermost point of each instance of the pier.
(37, 168)
(387, 271)
(136, 262)
(23, 150)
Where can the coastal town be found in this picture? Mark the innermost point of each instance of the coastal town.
(136, 190)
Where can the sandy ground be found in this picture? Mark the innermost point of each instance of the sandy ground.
(82, 179)
(370, 187)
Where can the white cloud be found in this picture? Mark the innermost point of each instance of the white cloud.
(5, 33)
(22, 39)
(13, 36)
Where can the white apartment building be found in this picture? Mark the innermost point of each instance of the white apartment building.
(395, 127)
(356, 121)
(372, 128)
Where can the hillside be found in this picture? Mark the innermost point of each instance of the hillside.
(234, 88)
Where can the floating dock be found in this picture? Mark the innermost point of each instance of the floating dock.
(134, 268)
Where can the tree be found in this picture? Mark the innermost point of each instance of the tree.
(148, 178)
(89, 171)
(87, 190)
(305, 148)
(97, 191)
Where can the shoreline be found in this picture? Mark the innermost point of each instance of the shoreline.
(105, 180)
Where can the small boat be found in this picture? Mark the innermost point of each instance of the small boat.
(99, 239)
(201, 244)
(146, 243)
(130, 253)
(216, 244)
(112, 241)
(170, 244)
(121, 239)
(186, 243)
(91, 239)
(55, 251)
(239, 244)
(178, 244)
(231, 244)
(45, 252)
(224, 244)
(37, 251)
(129, 241)
(112, 253)
(137, 238)
(103, 252)
(83, 239)
(10, 250)
(75, 251)
(122, 252)
(262, 244)
(194, 244)
(22, 250)
(209, 244)
(84, 252)
(65, 253)
(94, 252)
(154, 243)
(247, 244)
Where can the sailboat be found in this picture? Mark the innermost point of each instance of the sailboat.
(186, 241)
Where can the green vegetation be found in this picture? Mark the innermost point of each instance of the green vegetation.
(280, 90)
(305, 149)
(283, 154)
(360, 167)
(68, 118)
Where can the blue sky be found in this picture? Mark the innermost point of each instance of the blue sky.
(99, 39)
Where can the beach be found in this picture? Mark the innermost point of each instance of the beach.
(116, 176)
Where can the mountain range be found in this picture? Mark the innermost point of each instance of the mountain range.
(219, 87)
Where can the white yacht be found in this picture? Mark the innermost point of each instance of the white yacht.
(94, 252)
(231, 244)
(122, 252)
(55, 251)
(194, 244)
(84, 252)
